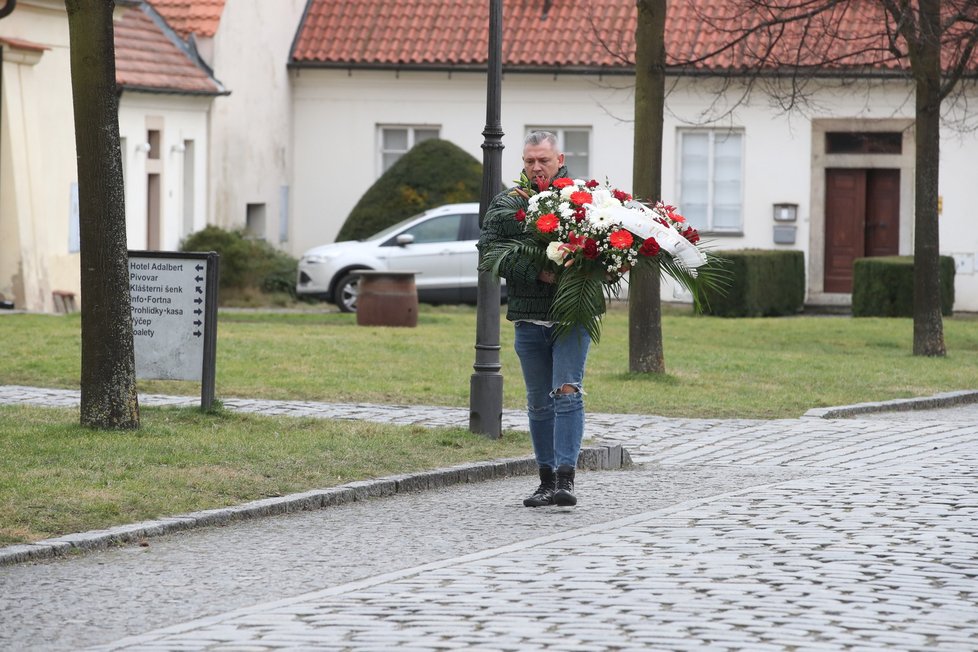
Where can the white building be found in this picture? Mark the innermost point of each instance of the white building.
(319, 97)
(370, 78)
(163, 114)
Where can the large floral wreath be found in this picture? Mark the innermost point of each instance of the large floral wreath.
(591, 235)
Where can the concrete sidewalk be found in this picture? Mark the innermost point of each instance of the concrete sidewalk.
(809, 533)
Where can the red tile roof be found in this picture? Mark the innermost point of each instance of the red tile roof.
(148, 59)
(570, 35)
(186, 17)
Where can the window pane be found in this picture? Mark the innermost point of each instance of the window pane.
(726, 217)
(726, 181)
(438, 229)
(695, 214)
(886, 142)
(395, 140)
(390, 159)
(577, 151)
(695, 157)
(421, 135)
(576, 142)
(694, 186)
(577, 166)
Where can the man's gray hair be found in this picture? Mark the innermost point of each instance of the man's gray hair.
(539, 137)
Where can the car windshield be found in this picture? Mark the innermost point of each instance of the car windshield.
(391, 229)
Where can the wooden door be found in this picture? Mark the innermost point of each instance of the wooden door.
(882, 212)
(862, 216)
(845, 221)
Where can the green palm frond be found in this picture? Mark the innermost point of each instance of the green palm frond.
(714, 277)
(498, 251)
(505, 206)
(579, 300)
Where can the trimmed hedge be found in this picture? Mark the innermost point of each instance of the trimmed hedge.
(763, 283)
(882, 286)
(432, 173)
(246, 263)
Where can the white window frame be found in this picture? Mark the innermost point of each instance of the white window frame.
(560, 132)
(412, 130)
(710, 226)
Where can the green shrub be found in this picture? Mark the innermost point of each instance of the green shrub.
(763, 283)
(432, 173)
(882, 286)
(246, 263)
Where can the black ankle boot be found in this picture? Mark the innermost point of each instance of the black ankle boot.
(544, 495)
(564, 495)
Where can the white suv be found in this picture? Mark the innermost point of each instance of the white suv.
(439, 244)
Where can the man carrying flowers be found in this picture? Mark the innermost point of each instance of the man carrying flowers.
(552, 355)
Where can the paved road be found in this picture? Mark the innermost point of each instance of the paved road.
(794, 534)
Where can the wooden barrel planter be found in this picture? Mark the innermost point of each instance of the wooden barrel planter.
(387, 299)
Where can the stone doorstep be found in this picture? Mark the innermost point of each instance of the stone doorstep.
(592, 458)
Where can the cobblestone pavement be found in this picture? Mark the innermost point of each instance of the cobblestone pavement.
(793, 534)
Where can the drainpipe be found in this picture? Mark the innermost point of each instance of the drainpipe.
(5, 11)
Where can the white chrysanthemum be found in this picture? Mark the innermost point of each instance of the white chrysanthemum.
(567, 191)
(599, 216)
(566, 211)
(554, 252)
(540, 196)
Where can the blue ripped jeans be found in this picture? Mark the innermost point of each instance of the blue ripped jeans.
(549, 363)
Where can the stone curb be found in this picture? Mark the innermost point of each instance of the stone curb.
(592, 458)
(945, 399)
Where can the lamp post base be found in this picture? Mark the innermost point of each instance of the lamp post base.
(485, 404)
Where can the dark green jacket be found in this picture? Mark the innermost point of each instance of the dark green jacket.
(528, 298)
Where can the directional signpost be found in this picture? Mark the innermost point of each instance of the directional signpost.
(174, 317)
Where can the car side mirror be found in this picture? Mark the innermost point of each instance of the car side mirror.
(404, 239)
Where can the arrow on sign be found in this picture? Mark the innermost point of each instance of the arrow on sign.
(197, 322)
(197, 333)
(198, 311)
(198, 278)
(199, 267)
(198, 300)
(199, 289)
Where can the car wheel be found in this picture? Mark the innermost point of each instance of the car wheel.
(345, 294)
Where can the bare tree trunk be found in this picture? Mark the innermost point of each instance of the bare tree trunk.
(928, 325)
(645, 353)
(108, 374)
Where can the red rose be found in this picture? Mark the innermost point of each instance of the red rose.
(547, 223)
(620, 239)
(649, 248)
(581, 197)
(590, 249)
(621, 196)
(692, 235)
(520, 215)
(580, 213)
(562, 182)
(592, 184)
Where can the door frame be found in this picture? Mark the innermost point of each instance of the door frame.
(822, 160)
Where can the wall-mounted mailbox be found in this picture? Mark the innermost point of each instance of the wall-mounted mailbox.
(784, 234)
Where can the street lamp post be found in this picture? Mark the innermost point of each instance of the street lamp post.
(486, 385)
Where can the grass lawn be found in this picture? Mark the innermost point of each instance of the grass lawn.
(56, 477)
(761, 368)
